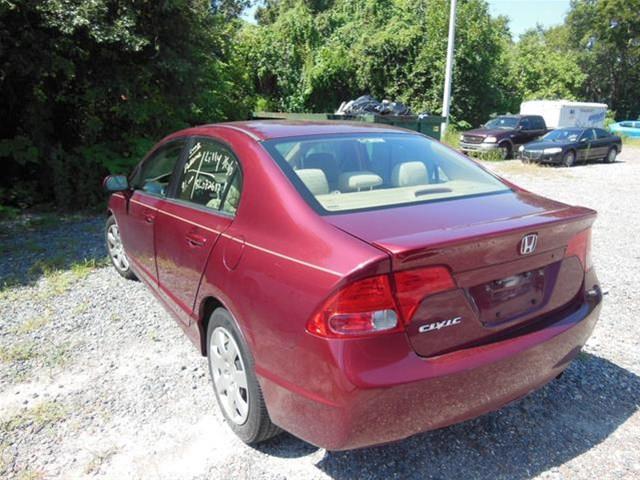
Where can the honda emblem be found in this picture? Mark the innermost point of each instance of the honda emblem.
(528, 244)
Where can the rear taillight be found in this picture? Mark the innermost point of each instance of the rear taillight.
(361, 308)
(412, 286)
(580, 246)
(368, 306)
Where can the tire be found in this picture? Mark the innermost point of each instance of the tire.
(569, 159)
(611, 155)
(506, 151)
(234, 381)
(116, 251)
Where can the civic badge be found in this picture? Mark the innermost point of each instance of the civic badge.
(528, 244)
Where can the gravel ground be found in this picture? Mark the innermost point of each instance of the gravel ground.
(97, 380)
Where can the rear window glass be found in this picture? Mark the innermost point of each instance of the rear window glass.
(357, 172)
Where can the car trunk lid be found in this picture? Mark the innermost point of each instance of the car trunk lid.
(498, 287)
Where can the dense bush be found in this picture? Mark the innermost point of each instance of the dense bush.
(88, 85)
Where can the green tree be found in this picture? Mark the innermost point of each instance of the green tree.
(606, 39)
(87, 85)
(543, 67)
(310, 56)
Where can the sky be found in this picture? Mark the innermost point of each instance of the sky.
(525, 14)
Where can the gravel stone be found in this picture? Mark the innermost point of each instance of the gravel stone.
(98, 380)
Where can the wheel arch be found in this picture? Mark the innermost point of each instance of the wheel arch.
(208, 305)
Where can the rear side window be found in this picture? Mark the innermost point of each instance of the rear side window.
(210, 174)
(588, 135)
(526, 124)
(356, 172)
(156, 172)
(537, 123)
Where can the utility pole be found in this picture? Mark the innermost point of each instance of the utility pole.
(446, 99)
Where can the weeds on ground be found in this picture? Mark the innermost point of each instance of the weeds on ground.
(99, 458)
(18, 352)
(35, 419)
(32, 324)
(59, 281)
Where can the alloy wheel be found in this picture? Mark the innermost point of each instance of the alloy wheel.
(229, 375)
(116, 250)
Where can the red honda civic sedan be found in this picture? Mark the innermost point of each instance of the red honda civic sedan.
(353, 284)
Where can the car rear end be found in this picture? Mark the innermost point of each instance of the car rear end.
(481, 298)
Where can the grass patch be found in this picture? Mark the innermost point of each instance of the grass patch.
(60, 355)
(37, 418)
(19, 352)
(451, 138)
(33, 324)
(8, 213)
(46, 266)
(59, 281)
(631, 142)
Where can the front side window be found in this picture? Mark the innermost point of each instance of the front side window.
(210, 174)
(356, 172)
(602, 133)
(155, 173)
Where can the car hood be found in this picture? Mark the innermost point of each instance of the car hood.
(485, 132)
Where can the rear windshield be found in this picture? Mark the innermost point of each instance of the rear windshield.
(364, 171)
(571, 135)
(502, 122)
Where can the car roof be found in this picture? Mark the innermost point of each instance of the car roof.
(261, 130)
(516, 115)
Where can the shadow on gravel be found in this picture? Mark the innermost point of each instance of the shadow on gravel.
(546, 429)
(32, 246)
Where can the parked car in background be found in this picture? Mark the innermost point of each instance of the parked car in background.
(353, 284)
(503, 134)
(567, 113)
(628, 128)
(566, 146)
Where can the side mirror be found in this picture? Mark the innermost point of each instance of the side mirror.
(115, 183)
(519, 128)
(583, 140)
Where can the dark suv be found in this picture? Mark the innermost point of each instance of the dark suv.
(503, 134)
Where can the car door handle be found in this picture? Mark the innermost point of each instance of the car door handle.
(149, 217)
(196, 240)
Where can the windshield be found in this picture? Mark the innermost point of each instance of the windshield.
(506, 123)
(356, 172)
(563, 135)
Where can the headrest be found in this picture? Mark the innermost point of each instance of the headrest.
(355, 181)
(314, 179)
(407, 174)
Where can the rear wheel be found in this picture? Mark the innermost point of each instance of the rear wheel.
(611, 155)
(234, 381)
(569, 159)
(116, 250)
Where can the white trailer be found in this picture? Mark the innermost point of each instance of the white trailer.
(565, 113)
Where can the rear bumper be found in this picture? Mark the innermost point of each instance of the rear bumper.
(381, 400)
